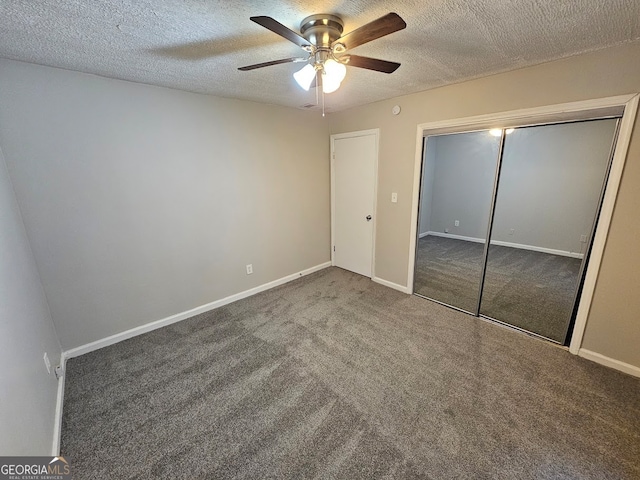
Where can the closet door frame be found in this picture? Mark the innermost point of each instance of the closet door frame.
(624, 106)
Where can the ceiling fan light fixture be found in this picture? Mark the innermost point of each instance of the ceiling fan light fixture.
(336, 71)
(329, 85)
(305, 76)
(338, 48)
(322, 39)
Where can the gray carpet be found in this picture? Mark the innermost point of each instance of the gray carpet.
(531, 290)
(448, 270)
(334, 376)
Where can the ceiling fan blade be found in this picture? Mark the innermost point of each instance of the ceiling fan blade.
(390, 23)
(371, 63)
(272, 62)
(277, 27)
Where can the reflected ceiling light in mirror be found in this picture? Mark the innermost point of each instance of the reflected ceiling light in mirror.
(496, 132)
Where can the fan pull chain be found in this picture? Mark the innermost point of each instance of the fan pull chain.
(321, 87)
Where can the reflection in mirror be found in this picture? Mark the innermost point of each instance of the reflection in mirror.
(547, 201)
(458, 173)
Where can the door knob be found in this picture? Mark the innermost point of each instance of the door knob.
(368, 217)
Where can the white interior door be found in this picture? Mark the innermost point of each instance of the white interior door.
(354, 163)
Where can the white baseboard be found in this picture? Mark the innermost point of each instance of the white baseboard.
(57, 423)
(148, 327)
(500, 243)
(455, 237)
(552, 251)
(389, 284)
(423, 234)
(609, 362)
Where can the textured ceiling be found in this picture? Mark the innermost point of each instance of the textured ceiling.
(197, 45)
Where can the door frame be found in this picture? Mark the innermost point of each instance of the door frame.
(545, 114)
(361, 133)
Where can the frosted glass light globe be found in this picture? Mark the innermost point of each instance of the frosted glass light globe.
(305, 76)
(335, 70)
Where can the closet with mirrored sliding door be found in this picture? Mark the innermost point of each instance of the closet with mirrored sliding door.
(506, 219)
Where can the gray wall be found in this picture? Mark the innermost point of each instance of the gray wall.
(464, 167)
(613, 329)
(550, 184)
(142, 202)
(27, 392)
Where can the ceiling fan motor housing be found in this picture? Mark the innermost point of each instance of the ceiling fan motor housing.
(321, 29)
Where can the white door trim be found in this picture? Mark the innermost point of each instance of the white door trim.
(360, 133)
(560, 112)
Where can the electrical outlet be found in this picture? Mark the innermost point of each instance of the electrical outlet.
(456, 223)
(583, 238)
(249, 269)
(47, 363)
(394, 198)
(511, 231)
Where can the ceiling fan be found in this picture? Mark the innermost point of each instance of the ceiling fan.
(321, 38)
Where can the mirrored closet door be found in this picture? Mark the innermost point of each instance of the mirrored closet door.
(535, 192)
(458, 177)
(548, 196)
